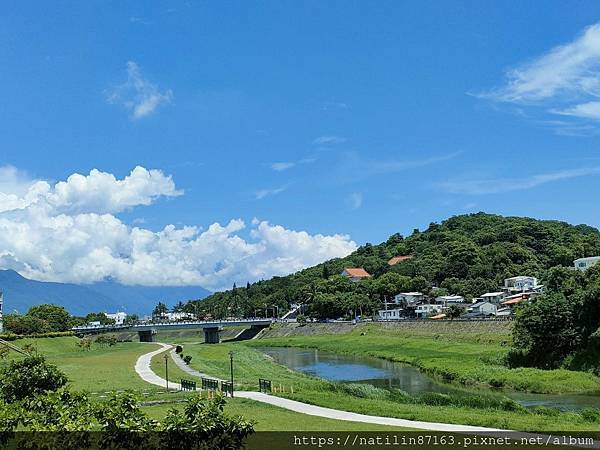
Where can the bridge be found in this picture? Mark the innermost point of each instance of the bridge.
(147, 331)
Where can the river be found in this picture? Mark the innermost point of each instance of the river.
(390, 375)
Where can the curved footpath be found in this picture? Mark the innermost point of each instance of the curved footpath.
(143, 369)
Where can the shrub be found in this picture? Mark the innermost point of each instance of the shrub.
(590, 414)
(187, 359)
(301, 319)
(361, 390)
(105, 340)
(13, 337)
(203, 421)
(27, 377)
(434, 399)
(546, 411)
(179, 349)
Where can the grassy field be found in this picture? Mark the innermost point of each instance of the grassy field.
(100, 369)
(271, 418)
(470, 354)
(250, 365)
(467, 353)
(175, 373)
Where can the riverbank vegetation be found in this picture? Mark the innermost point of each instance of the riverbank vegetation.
(474, 408)
(470, 354)
(562, 327)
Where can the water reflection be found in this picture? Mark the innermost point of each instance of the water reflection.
(355, 369)
(386, 374)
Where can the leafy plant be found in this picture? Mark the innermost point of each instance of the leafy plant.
(28, 377)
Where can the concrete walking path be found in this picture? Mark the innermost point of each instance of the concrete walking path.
(187, 369)
(143, 369)
(337, 414)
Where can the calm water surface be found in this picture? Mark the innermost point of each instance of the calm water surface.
(386, 374)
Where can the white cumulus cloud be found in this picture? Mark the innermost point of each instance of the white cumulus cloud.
(70, 231)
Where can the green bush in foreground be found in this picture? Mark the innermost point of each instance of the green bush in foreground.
(25, 378)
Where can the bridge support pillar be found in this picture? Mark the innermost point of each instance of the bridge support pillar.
(147, 335)
(211, 335)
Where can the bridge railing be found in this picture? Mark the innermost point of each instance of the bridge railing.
(169, 323)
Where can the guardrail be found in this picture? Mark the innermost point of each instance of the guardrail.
(168, 323)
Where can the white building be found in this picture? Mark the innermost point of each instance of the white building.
(409, 298)
(175, 316)
(425, 310)
(493, 297)
(520, 284)
(586, 263)
(446, 300)
(118, 317)
(482, 309)
(390, 314)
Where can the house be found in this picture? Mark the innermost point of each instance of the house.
(425, 310)
(355, 274)
(520, 284)
(586, 263)
(175, 316)
(118, 317)
(396, 259)
(409, 298)
(493, 297)
(503, 312)
(447, 300)
(482, 309)
(390, 314)
(516, 299)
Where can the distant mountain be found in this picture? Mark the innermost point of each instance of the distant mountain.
(21, 293)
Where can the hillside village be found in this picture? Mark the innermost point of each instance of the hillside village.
(502, 303)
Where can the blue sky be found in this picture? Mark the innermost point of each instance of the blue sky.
(349, 121)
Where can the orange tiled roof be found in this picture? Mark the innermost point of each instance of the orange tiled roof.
(396, 259)
(514, 301)
(357, 272)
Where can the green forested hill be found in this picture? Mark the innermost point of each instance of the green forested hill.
(467, 255)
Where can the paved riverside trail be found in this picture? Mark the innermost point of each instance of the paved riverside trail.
(143, 369)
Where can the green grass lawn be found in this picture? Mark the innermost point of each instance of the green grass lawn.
(272, 418)
(175, 373)
(101, 369)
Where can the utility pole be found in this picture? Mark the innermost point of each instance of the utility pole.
(231, 369)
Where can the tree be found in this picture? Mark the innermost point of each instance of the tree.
(99, 317)
(301, 320)
(179, 307)
(131, 318)
(549, 316)
(25, 324)
(25, 378)
(160, 310)
(57, 317)
(454, 311)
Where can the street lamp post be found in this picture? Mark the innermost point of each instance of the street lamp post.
(231, 369)
(167, 369)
